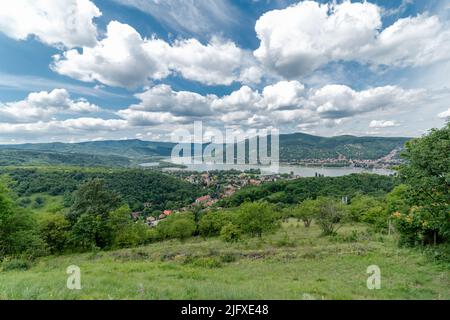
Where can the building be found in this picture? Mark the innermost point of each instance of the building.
(203, 199)
(167, 212)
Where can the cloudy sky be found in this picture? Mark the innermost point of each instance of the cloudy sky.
(79, 70)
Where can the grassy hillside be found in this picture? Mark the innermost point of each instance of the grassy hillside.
(294, 263)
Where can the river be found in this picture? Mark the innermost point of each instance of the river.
(303, 171)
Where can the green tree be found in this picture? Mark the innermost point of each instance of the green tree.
(212, 223)
(93, 198)
(427, 176)
(177, 226)
(256, 218)
(18, 232)
(54, 230)
(306, 211)
(85, 232)
(230, 233)
(124, 231)
(330, 213)
(370, 210)
(92, 204)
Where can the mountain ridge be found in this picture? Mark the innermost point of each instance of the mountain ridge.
(294, 147)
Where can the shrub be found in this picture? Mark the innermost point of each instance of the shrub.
(305, 211)
(177, 226)
(256, 218)
(16, 264)
(84, 233)
(369, 210)
(230, 233)
(330, 214)
(212, 223)
(134, 234)
(54, 230)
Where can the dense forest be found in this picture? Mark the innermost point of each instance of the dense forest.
(135, 186)
(14, 157)
(300, 146)
(295, 191)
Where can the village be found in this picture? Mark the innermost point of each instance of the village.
(386, 162)
(217, 185)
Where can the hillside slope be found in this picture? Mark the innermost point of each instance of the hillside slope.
(294, 263)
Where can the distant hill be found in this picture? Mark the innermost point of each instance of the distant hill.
(293, 147)
(14, 157)
(133, 149)
(301, 146)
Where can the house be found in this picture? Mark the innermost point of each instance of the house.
(203, 199)
(150, 219)
(206, 178)
(210, 202)
(167, 212)
(162, 216)
(254, 182)
(229, 190)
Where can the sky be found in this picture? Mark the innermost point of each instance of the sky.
(85, 70)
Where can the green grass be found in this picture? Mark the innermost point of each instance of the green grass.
(50, 204)
(293, 263)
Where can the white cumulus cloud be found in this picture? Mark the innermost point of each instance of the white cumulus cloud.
(42, 106)
(125, 59)
(306, 36)
(383, 123)
(445, 114)
(66, 23)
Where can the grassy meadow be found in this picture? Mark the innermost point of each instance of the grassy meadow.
(293, 263)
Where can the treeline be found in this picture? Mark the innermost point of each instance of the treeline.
(295, 191)
(12, 157)
(300, 146)
(135, 186)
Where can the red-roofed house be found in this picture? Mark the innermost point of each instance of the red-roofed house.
(203, 199)
(168, 212)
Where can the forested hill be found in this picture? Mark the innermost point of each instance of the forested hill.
(133, 149)
(301, 146)
(293, 147)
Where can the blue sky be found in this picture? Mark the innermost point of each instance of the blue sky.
(115, 69)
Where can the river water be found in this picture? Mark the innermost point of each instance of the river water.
(303, 171)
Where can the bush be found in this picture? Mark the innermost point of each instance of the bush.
(330, 213)
(134, 234)
(230, 233)
(305, 211)
(16, 264)
(369, 210)
(83, 235)
(38, 203)
(177, 226)
(212, 223)
(256, 218)
(54, 230)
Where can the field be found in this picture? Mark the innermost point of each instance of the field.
(294, 263)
